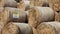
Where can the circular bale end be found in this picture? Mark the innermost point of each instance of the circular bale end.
(33, 17)
(45, 29)
(10, 29)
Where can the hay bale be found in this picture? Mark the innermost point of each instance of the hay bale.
(1, 3)
(10, 3)
(25, 28)
(10, 29)
(49, 28)
(40, 14)
(57, 16)
(14, 15)
(25, 5)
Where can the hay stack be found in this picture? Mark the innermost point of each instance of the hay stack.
(40, 14)
(10, 29)
(10, 3)
(14, 15)
(1, 3)
(54, 4)
(49, 28)
(25, 5)
(24, 28)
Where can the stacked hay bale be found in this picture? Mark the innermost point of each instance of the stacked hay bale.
(14, 15)
(24, 28)
(49, 28)
(40, 14)
(25, 5)
(1, 3)
(10, 3)
(10, 29)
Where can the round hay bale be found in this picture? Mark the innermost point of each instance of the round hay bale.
(10, 3)
(14, 15)
(40, 14)
(25, 5)
(24, 28)
(1, 3)
(10, 29)
(49, 28)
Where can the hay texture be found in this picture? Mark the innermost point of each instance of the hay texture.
(34, 30)
(49, 28)
(40, 14)
(25, 5)
(57, 16)
(54, 4)
(10, 29)
(1, 26)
